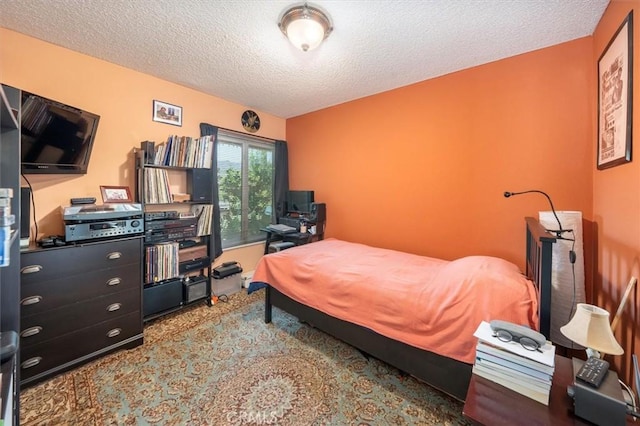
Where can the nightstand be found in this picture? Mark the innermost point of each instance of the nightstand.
(488, 403)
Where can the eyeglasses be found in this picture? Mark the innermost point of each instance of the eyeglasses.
(526, 342)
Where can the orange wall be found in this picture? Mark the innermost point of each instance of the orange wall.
(616, 203)
(123, 99)
(423, 168)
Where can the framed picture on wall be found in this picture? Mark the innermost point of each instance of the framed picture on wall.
(167, 113)
(615, 90)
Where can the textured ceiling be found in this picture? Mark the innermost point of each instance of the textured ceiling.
(235, 50)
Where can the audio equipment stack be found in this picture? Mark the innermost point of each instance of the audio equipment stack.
(85, 222)
(168, 226)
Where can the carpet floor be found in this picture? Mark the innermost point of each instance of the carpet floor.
(223, 365)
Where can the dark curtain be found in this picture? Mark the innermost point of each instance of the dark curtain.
(281, 179)
(209, 130)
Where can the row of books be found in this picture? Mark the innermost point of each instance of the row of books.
(161, 262)
(180, 151)
(204, 213)
(156, 187)
(529, 373)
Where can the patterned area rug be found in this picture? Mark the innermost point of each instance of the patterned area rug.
(223, 365)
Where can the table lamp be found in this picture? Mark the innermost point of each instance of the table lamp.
(603, 403)
(590, 328)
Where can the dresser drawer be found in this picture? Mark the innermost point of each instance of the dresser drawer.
(51, 324)
(42, 296)
(72, 261)
(62, 352)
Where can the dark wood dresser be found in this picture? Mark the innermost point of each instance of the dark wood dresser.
(78, 302)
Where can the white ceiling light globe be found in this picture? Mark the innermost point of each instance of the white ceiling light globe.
(305, 34)
(305, 26)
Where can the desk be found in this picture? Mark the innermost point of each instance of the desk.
(297, 238)
(488, 403)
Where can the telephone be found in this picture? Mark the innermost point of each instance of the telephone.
(603, 405)
(593, 372)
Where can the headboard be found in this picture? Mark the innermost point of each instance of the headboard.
(539, 256)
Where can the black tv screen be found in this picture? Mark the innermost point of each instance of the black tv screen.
(56, 138)
(299, 201)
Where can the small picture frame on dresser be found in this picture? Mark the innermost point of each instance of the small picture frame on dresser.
(116, 194)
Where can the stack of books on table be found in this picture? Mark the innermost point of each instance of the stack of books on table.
(509, 364)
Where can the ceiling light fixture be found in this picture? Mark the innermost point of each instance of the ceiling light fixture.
(305, 26)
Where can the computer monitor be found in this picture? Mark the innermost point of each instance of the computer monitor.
(300, 201)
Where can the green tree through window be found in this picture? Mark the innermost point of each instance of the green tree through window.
(245, 181)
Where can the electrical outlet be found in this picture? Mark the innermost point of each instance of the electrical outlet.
(246, 279)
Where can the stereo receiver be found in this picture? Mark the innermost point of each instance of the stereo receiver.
(103, 229)
(90, 222)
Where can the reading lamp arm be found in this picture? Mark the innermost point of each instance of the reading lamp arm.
(508, 194)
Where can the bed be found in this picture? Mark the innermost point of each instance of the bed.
(413, 312)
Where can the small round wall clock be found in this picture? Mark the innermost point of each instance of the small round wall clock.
(250, 121)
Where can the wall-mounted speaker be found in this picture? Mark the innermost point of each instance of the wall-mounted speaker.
(200, 185)
(25, 216)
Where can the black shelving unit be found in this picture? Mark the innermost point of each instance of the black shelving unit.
(10, 274)
(172, 250)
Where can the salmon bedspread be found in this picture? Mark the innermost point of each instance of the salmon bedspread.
(428, 303)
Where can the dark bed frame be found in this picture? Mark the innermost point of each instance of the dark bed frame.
(445, 374)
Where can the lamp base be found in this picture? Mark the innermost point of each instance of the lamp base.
(592, 353)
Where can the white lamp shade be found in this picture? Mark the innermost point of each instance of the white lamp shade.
(590, 328)
(305, 34)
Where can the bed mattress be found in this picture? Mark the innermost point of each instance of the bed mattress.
(429, 303)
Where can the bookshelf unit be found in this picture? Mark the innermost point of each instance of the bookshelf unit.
(10, 266)
(178, 245)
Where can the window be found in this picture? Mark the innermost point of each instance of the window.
(245, 185)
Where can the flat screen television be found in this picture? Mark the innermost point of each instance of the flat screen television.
(56, 138)
(299, 201)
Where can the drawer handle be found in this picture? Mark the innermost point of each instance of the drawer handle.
(114, 307)
(31, 300)
(31, 331)
(114, 255)
(114, 281)
(31, 362)
(114, 332)
(31, 269)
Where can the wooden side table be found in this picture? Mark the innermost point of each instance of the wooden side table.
(488, 403)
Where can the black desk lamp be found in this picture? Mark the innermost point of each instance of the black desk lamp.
(559, 231)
